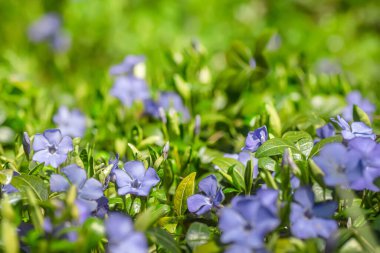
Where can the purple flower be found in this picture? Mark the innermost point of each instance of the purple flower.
(102, 208)
(326, 131)
(255, 139)
(135, 179)
(45, 28)
(88, 190)
(48, 28)
(355, 98)
(51, 148)
(333, 160)
(129, 89)
(357, 129)
(211, 196)
(71, 123)
(249, 220)
(122, 237)
(310, 220)
(167, 100)
(128, 65)
(367, 169)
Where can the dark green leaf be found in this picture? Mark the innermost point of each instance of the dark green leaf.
(164, 239)
(197, 234)
(36, 184)
(275, 146)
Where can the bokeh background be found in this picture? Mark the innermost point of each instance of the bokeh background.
(339, 38)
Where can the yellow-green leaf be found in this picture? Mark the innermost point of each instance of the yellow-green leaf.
(184, 190)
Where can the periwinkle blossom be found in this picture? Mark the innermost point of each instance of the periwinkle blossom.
(210, 196)
(51, 148)
(135, 179)
(71, 123)
(26, 144)
(167, 101)
(333, 160)
(367, 169)
(129, 89)
(356, 129)
(127, 65)
(309, 219)
(88, 190)
(355, 98)
(326, 131)
(255, 139)
(249, 220)
(122, 237)
(48, 28)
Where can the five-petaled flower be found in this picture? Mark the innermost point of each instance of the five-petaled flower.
(255, 139)
(135, 179)
(310, 220)
(211, 196)
(129, 89)
(88, 190)
(51, 148)
(249, 220)
(71, 123)
(122, 237)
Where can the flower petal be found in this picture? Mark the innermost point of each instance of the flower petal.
(118, 227)
(199, 204)
(53, 136)
(208, 185)
(91, 190)
(58, 183)
(66, 145)
(75, 174)
(325, 209)
(135, 169)
(305, 197)
(40, 143)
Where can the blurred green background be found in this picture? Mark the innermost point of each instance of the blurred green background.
(35, 80)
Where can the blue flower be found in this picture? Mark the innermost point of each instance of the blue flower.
(255, 139)
(367, 169)
(249, 220)
(167, 100)
(128, 65)
(310, 220)
(355, 98)
(211, 196)
(51, 148)
(357, 129)
(333, 160)
(135, 180)
(71, 123)
(88, 190)
(26, 144)
(48, 28)
(122, 237)
(326, 131)
(129, 89)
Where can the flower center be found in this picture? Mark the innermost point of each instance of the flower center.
(309, 214)
(248, 227)
(136, 184)
(52, 149)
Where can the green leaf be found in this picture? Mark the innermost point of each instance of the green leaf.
(84, 157)
(232, 170)
(147, 218)
(34, 183)
(6, 176)
(164, 239)
(360, 115)
(9, 240)
(274, 119)
(210, 247)
(198, 234)
(317, 147)
(267, 163)
(184, 190)
(275, 146)
(248, 176)
(302, 140)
